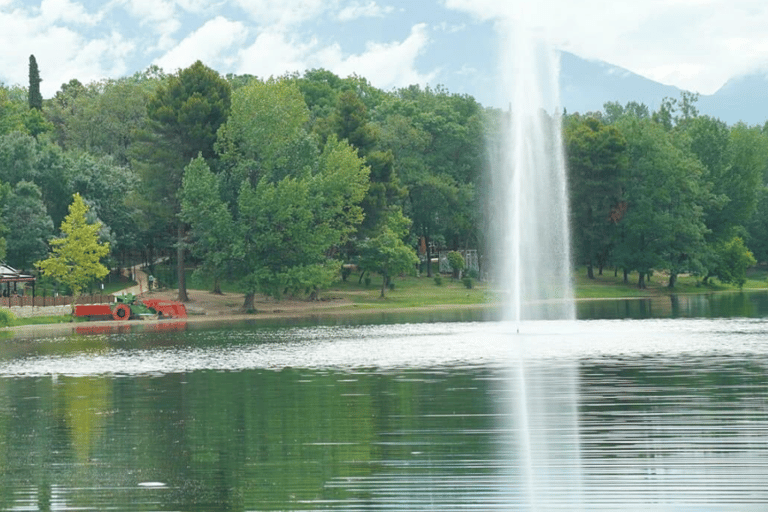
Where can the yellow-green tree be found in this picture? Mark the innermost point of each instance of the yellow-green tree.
(75, 258)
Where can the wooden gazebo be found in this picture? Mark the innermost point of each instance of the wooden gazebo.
(8, 276)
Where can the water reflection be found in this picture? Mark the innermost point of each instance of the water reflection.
(749, 304)
(651, 415)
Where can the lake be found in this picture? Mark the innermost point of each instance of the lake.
(664, 411)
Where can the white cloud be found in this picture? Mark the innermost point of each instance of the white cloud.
(357, 10)
(272, 54)
(210, 44)
(384, 65)
(53, 11)
(279, 15)
(151, 12)
(61, 53)
(161, 16)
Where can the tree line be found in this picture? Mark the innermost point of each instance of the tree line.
(277, 183)
(272, 183)
(669, 190)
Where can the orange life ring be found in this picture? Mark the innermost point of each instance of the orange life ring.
(121, 312)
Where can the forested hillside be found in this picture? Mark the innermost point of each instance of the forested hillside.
(275, 184)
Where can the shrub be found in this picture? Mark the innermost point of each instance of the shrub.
(367, 280)
(6, 317)
(438, 280)
(456, 261)
(467, 282)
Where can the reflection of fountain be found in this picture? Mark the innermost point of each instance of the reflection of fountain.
(531, 196)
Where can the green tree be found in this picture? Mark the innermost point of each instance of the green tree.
(108, 189)
(663, 227)
(76, 256)
(437, 140)
(186, 112)
(386, 253)
(11, 112)
(288, 230)
(35, 98)
(30, 226)
(265, 135)
(597, 162)
(456, 261)
(210, 220)
(733, 260)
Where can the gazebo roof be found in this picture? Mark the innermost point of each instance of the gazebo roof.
(9, 274)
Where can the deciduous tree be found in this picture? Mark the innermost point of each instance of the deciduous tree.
(76, 256)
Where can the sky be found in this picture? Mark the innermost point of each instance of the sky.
(695, 45)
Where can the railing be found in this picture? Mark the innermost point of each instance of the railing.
(59, 300)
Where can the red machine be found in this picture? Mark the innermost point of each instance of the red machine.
(129, 307)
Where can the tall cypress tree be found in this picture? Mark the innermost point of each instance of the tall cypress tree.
(35, 98)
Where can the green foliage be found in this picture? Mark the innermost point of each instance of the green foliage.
(188, 108)
(467, 283)
(597, 161)
(733, 260)
(210, 220)
(12, 113)
(32, 227)
(7, 317)
(75, 259)
(438, 280)
(456, 261)
(265, 135)
(386, 253)
(35, 98)
(664, 222)
(280, 245)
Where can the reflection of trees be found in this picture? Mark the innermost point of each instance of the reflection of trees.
(236, 440)
(714, 305)
(636, 408)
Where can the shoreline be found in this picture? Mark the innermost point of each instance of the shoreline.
(206, 308)
(311, 312)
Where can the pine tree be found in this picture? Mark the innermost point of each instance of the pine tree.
(35, 98)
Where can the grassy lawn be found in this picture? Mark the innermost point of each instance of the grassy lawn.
(410, 292)
(612, 286)
(422, 291)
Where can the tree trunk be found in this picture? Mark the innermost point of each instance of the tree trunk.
(672, 280)
(641, 280)
(248, 301)
(626, 276)
(590, 271)
(217, 286)
(429, 256)
(384, 283)
(183, 297)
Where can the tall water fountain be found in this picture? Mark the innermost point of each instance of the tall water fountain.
(530, 224)
(529, 186)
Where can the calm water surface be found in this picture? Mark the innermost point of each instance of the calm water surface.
(660, 414)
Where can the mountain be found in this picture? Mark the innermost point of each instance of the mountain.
(585, 85)
(742, 98)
